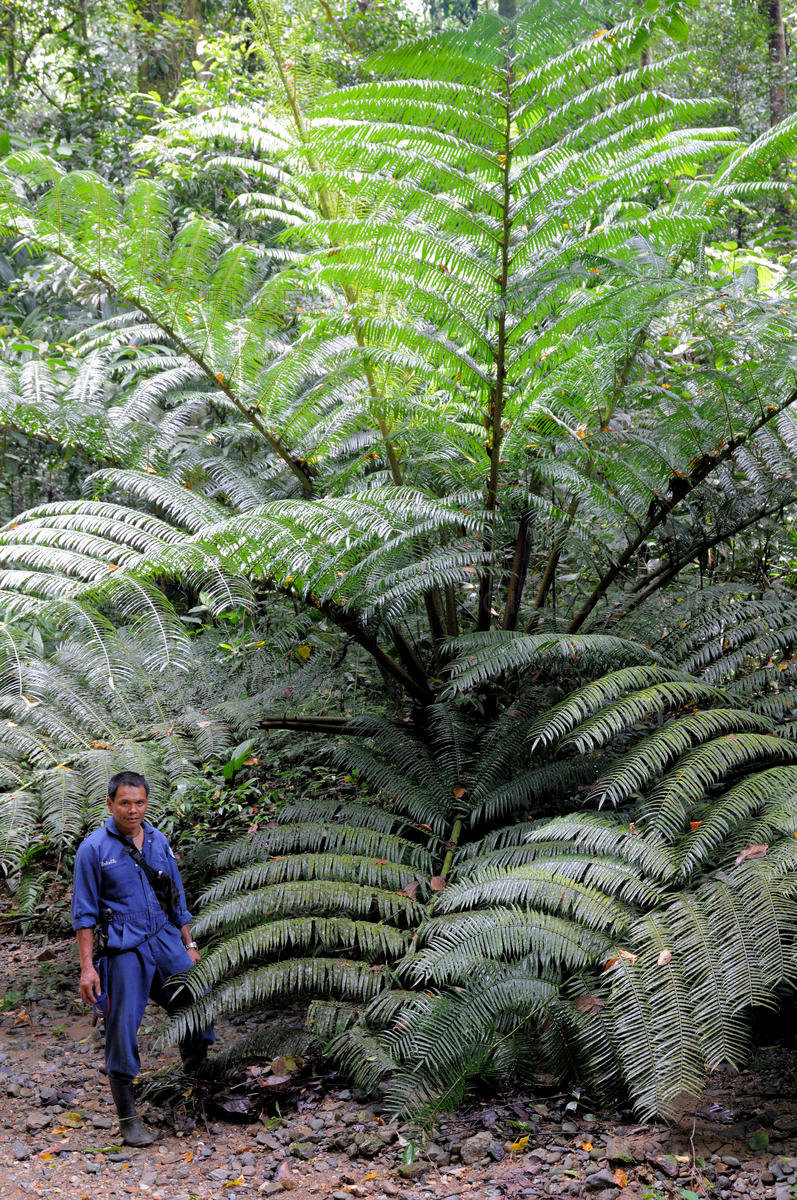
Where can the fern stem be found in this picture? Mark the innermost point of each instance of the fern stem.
(649, 584)
(41, 435)
(453, 842)
(336, 25)
(297, 466)
(553, 558)
(431, 601)
(307, 724)
(417, 686)
(518, 571)
(390, 449)
(411, 661)
(621, 379)
(326, 204)
(498, 393)
(661, 508)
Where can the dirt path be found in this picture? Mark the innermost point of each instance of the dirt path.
(58, 1133)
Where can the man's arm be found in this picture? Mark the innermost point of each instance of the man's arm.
(85, 916)
(185, 934)
(89, 979)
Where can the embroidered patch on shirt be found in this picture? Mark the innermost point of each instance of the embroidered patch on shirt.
(109, 862)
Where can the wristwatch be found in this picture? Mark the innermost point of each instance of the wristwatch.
(190, 945)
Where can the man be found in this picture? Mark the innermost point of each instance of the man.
(115, 869)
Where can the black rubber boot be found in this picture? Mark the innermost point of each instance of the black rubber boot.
(133, 1132)
(194, 1056)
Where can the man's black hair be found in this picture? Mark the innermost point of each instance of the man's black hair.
(126, 779)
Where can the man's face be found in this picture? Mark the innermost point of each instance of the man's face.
(128, 808)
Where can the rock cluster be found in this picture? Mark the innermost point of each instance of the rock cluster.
(58, 1134)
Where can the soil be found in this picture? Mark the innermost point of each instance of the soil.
(59, 1136)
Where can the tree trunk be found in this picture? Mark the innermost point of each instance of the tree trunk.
(8, 35)
(772, 12)
(166, 42)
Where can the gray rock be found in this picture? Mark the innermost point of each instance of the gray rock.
(369, 1145)
(303, 1150)
(221, 1173)
(620, 1150)
(730, 1161)
(263, 1138)
(782, 1191)
(599, 1180)
(475, 1148)
(93, 1168)
(437, 1155)
(667, 1165)
(34, 1122)
(20, 1151)
(413, 1170)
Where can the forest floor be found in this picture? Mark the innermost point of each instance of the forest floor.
(59, 1136)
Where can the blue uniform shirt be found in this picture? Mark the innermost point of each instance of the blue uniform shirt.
(106, 877)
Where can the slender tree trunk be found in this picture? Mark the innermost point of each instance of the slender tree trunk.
(167, 43)
(772, 12)
(8, 33)
(81, 20)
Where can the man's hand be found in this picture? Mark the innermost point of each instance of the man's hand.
(191, 947)
(90, 988)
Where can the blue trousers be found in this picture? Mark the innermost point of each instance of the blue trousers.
(131, 978)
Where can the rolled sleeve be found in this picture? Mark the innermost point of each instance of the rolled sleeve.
(181, 914)
(86, 889)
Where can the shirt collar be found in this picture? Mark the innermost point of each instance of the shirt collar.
(110, 826)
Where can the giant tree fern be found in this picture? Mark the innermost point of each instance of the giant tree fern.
(444, 366)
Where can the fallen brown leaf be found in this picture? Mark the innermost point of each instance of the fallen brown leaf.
(587, 1004)
(756, 850)
(285, 1177)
